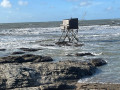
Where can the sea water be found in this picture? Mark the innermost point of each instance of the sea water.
(101, 40)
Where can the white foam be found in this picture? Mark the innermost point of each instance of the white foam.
(28, 31)
(97, 54)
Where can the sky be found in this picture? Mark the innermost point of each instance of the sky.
(56, 10)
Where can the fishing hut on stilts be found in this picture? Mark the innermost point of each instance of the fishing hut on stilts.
(69, 30)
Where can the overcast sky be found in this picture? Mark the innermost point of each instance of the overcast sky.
(56, 10)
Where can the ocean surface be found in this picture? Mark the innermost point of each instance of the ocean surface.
(101, 40)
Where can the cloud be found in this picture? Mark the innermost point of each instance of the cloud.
(6, 4)
(85, 3)
(109, 8)
(23, 3)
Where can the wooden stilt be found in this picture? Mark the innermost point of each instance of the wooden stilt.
(70, 34)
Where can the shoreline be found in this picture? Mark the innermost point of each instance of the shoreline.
(97, 86)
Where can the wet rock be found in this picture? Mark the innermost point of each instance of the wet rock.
(14, 53)
(37, 58)
(64, 43)
(97, 61)
(80, 54)
(2, 83)
(84, 54)
(25, 58)
(78, 45)
(46, 76)
(30, 49)
(2, 49)
(55, 86)
(98, 86)
(47, 45)
(18, 76)
(64, 72)
(11, 59)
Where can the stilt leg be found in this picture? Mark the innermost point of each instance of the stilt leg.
(70, 34)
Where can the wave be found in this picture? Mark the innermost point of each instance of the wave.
(28, 31)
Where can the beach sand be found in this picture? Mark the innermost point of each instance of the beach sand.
(97, 86)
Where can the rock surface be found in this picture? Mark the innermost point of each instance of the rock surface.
(66, 43)
(14, 53)
(2, 49)
(30, 49)
(25, 58)
(97, 86)
(47, 44)
(97, 61)
(78, 45)
(40, 75)
(63, 43)
(80, 54)
(84, 54)
(45, 75)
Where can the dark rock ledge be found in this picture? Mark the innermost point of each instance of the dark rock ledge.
(65, 43)
(30, 49)
(81, 54)
(15, 53)
(97, 62)
(25, 58)
(43, 75)
(2, 49)
(84, 54)
(47, 45)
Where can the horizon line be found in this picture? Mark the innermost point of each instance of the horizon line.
(59, 21)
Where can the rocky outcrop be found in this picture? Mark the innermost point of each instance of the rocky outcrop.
(80, 54)
(17, 73)
(65, 43)
(18, 76)
(78, 45)
(97, 61)
(67, 70)
(14, 53)
(47, 45)
(44, 75)
(2, 49)
(30, 49)
(97, 86)
(84, 54)
(25, 58)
